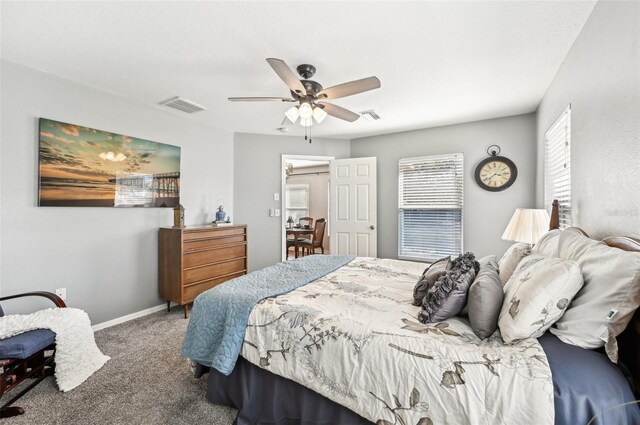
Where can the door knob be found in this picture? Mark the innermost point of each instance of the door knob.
(372, 227)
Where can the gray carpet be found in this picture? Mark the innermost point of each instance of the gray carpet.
(145, 382)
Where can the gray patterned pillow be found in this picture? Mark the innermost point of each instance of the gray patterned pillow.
(429, 277)
(485, 298)
(511, 259)
(537, 295)
(448, 295)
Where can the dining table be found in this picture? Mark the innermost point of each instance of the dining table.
(297, 232)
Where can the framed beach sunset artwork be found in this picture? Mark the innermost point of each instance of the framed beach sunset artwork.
(85, 167)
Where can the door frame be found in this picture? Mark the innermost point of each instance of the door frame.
(283, 182)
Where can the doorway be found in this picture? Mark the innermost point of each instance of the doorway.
(305, 193)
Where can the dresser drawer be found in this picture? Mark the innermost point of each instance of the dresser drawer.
(199, 258)
(192, 291)
(214, 270)
(212, 233)
(212, 242)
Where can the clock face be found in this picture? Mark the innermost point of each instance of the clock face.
(496, 173)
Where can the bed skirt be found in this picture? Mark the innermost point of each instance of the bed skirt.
(286, 403)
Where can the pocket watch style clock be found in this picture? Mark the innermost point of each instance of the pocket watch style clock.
(495, 173)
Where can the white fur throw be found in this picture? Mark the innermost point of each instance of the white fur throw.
(77, 355)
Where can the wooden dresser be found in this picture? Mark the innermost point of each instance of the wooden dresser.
(194, 259)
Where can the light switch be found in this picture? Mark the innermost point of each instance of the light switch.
(276, 196)
(270, 212)
(277, 212)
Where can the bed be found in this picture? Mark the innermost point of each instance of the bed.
(346, 348)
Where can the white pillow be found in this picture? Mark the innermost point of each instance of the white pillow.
(548, 244)
(611, 293)
(511, 259)
(537, 294)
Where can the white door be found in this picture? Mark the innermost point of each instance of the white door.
(352, 206)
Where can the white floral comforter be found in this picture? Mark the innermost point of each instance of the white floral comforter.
(353, 337)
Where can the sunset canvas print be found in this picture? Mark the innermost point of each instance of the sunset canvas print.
(85, 167)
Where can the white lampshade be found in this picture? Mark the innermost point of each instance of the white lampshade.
(319, 114)
(305, 110)
(110, 156)
(306, 122)
(292, 114)
(527, 225)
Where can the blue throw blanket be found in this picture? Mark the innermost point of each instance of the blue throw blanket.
(220, 315)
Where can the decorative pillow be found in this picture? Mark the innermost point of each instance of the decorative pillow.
(511, 259)
(448, 295)
(548, 244)
(611, 293)
(537, 295)
(428, 278)
(485, 298)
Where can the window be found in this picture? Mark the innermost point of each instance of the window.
(557, 167)
(430, 190)
(297, 200)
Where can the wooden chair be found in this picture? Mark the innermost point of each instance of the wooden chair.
(306, 221)
(29, 355)
(309, 246)
(290, 244)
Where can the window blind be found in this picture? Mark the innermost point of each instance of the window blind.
(430, 201)
(557, 167)
(297, 200)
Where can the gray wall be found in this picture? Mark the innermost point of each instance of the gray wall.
(486, 214)
(600, 78)
(105, 257)
(257, 176)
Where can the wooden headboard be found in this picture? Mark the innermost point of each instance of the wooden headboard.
(629, 340)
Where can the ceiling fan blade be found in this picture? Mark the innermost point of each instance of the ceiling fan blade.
(350, 88)
(339, 112)
(261, 99)
(287, 75)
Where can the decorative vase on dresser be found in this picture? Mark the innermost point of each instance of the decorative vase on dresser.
(194, 259)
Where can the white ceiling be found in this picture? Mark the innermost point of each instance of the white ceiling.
(439, 62)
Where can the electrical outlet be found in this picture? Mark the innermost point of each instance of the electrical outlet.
(62, 293)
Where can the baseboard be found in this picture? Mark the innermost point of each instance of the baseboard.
(128, 317)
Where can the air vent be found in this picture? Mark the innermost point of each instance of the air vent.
(183, 105)
(370, 115)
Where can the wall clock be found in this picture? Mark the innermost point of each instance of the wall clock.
(495, 173)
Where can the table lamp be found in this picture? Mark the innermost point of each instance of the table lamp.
(527, 225)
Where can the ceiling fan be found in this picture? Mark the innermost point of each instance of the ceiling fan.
(311, 96)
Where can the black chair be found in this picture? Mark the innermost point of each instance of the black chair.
(29, 355)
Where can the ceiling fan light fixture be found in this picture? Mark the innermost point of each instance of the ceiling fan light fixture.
(319, 114)
(292, 114)
(306, 122)
(305, 110)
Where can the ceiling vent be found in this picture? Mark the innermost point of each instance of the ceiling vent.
(370, 115)
(183, 105)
